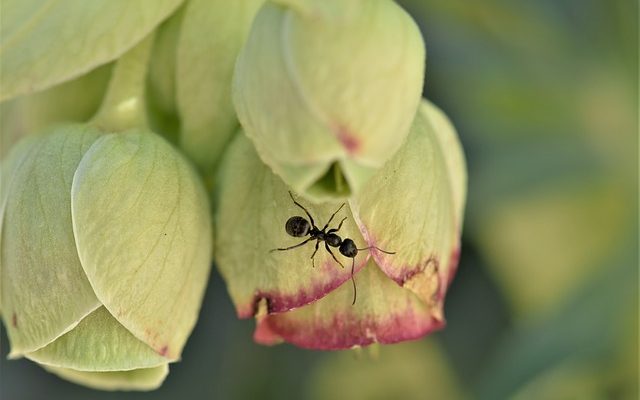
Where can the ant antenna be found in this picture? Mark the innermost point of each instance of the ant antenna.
(377, 248)
(353, 281)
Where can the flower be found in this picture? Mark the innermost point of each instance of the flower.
(413, 206)
(326, 90)
(105, 250)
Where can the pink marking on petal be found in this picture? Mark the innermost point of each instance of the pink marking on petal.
(14, 320)
(350, 142)
(264, 334)
(278, 302)
(346, 331)
(163, 351)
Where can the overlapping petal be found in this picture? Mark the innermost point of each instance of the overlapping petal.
(413, 206)
(251, 207)
(45, 43)
(140, 219)
(45, 292)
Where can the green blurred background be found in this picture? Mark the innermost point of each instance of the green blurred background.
(545, 303)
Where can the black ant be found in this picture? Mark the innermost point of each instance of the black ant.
(298, 227)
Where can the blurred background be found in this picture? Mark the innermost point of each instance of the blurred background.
(544, 95)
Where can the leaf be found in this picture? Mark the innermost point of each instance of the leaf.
(212, 35)
(45, 43)
(142, 228)
(383, 313)
(45, 292)
(409, 207)
(252, 206)
(137, 379)
(98, 343)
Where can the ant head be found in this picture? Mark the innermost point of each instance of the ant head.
(297, 226)
(348, 248)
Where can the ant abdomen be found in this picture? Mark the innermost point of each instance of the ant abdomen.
(297, 226)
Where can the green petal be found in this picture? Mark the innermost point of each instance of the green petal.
(161, 88)
(409, 207)
(72, 101)
(252, 207)
(138, 379)
(44, 289)
(98, 343)
(45, 43)
(453, 155)
(8, 170)
(383, 313)
(347, 77)
(142, 227)
(211, 37)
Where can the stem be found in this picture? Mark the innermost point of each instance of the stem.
(124, 105)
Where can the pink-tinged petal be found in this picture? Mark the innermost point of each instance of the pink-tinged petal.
(252, 206)
(383, 313)
(413, 206)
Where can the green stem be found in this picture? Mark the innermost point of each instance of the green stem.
(124, 105)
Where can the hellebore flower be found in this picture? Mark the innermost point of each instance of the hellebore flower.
(412, 206)
(327, 90)
(105, 254)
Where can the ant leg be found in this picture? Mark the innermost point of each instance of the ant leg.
(326, 246)
(304, 209)
(290, 247)
(339, 226)
(332, 215)
(379, 249)
(313, 260)
(355, 291)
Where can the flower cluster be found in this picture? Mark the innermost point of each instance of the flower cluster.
(196, 126)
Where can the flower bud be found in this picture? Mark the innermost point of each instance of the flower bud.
(105, 254)
(326, 90)
(412, 208)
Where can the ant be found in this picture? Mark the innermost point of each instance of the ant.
(298, 227)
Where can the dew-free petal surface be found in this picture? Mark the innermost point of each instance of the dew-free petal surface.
(252, 206)
(143, 232)
(43, 43)
(98, 343)
(410, 207)
(211, 37)
(44, 289)
(137, 379)
(346, 77)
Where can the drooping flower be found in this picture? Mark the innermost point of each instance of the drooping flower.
(105, 253)
(413, 207)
